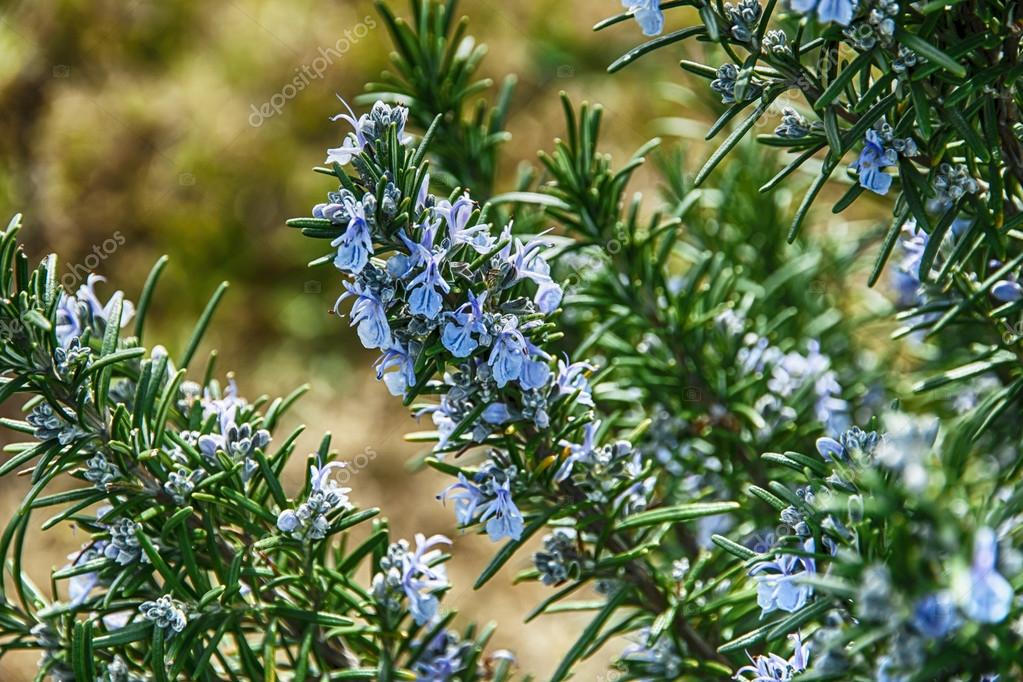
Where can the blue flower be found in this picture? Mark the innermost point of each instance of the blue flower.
(571, 379)
(420, 581)
(457, 217)
(503, 518)
(442, 658)
(82, 310)
(496, 414)
(81, 585)
(487, 499)
(356, 244)
(423, 194)
(872, 160)
(536, 370)
(647, 13)
(578, 452)
(397, 368)
(527, 262)
(774, 668)
(309, 520)
(369, 313)
(467, 499)
(935, 616)
(425, 288)
(988, 596)
(508, 353)
(778, 585)
(457, 334)
(354, 141)
(838, 11)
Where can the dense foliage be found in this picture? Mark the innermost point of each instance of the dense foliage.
(195, 562)
(696, 339)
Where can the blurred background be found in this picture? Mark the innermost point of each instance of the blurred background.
(135, 128)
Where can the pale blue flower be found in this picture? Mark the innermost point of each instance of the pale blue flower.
(70, 325)
(354, 141)
(830, 449)
(527, 262)
(496, 414)
(309, 520)
(988, 595)
(81, 585)
(778, 585)
(442, 658)
(503, 518)
(166, 613)
(935, 616)
(536, 370)
(81, 310)
(457, 216)
(578, 451)
(124, 546)
(355, 245)
(425, 289)
(648, 15)
(423, 195)
(421, 581)
(288, 521)
(487, 499)
(508, 354)
(397, 368)
(467, 499)
(906, 275)
(237, 441)
(461, 333)
(571, 378)
(839, 11)
(369, 313)
(367, 129)
(871, 161)
(774, 668)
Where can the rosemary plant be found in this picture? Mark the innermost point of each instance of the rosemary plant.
(196, 564)
(613, 386)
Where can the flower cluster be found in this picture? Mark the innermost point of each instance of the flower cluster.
(774, 668)
(172, 486)
(237, 441)
(442, 277)
(81, 314)
(779, 581)
(166, 613)
(310, 520)
(881, 150)
(442, 658)
(725, 81)
(913, 620)
(744, 17)
(443, 295)
(412, 577)
(488, 499)
(788, 374)
(560, 558)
